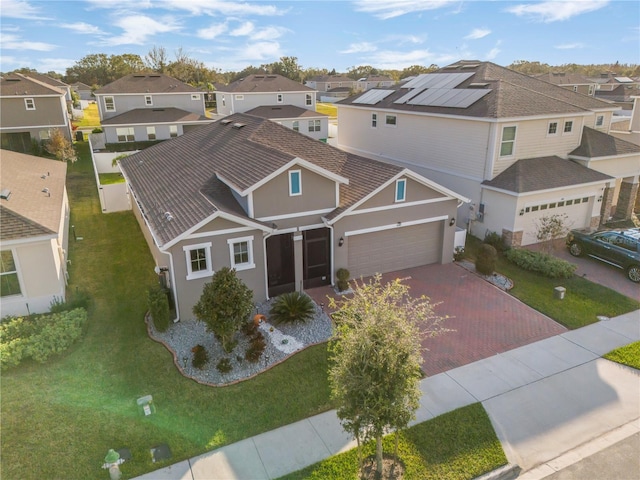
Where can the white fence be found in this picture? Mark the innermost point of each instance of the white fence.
(113, 197)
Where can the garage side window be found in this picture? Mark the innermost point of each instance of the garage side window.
(9, 282)
(401, 189)
(198, 258)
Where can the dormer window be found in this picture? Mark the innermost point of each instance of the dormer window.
(295, 183)
(148, 101)
(401, 190)
(29, 104)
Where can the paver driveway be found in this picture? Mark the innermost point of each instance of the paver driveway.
(486, 319)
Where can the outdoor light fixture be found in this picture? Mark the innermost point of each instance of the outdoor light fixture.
(521, 211)
(341, 241)
(452, 221)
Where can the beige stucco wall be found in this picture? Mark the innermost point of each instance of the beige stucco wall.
(49, 112)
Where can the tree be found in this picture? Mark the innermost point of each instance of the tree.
(224, 306)
(376, 358)
(156, 59)
(550, 227)
(60, 147)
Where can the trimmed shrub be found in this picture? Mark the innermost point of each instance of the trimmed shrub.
(224, 365)
(96, 130)
(158, 305)
(256, 348)
(486, 259)
(79, 299)
(458, 254)
(342, 274)
(200, 357)
(539, 262)
(292, 307)
(495, 240)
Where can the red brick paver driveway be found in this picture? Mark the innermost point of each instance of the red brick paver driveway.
(485, 319)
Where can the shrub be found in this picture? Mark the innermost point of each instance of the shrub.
(96, 130)
(495, 240)
(458, 254)
(486, 259)
(158, 305)
(249, 329)
(256, 348)
(80, 299)
(200, 357)
(224, 365)
(343, 279)
(292, 307)
(542, 263)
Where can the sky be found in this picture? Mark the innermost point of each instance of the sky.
(227, 35)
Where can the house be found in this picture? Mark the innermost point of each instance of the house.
(34, 225)
(29, 111)
(520, 148)
(571, 81)
(263, 90)
(83, 90)
(282, 209)
(332, 86)
(374, 81)
(149, 106)
(617, 89)
(309, 122)
(54, 82)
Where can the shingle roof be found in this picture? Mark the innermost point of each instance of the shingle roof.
(81, 86)
(30, 210)
(48, 80)
(264, 84)
(544, 173)
(140, 116)
(330, 78)
(562, 78)
(595, 144)
(182, 176)
(146, 83)
(15, 84)
(512, 95)
(284, 111)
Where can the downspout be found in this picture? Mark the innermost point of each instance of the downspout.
(333, 253)
(266, 271)
(173, 283)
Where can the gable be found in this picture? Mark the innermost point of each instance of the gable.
(414, 192)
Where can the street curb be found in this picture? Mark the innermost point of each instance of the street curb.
(506, 472)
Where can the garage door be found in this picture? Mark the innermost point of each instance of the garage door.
(395, 249)
(578, 216)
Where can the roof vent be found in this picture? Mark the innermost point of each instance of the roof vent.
(5, 194)
(478, 85)
(238, 125)
(225, 121)
(46, 190)
(167, 216)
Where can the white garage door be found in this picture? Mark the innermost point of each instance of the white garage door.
(578, 215)
(395, 249)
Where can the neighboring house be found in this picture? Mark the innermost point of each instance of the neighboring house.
(311, 123)
(54, 82)
(374, 81)
(518, 147)
(284, 210)
(263, 90)
(617, 89)
(149, 106)
(29, 111)
(331, 85)
(34, 225)
(571, 81)
(83, 90)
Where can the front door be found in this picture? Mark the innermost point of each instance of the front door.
(280, 264)
(316, 257)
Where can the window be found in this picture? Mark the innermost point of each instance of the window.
(508, 141)
(591, 90)
(195, 96)
(224, 102)
(296, 126)
(308, 99)
(295, 183)
(126, 134)
(198, 258)
(568, 126)
(44, 134)
(569, 202)
(374, 120)
(151, 133)
(401, 190)
(314, 125)
(239, 97)
(9, 282)
(173, 131)
(148, 101)
(29, 104)
(390, 120)
(280, 98)
(241, 253)
(553, 128)
(599, 120)
(109, 104)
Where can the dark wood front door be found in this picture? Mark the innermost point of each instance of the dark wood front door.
(280, 264)
(317, 257)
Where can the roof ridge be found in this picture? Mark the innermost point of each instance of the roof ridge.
(42, 84)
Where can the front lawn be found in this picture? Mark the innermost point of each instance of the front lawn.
(91, 117)
(458, 445)
(627, 355)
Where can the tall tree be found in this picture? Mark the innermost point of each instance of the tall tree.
(157, 59)
(376, 358)
(101, 69)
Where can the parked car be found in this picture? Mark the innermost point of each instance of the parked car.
(615, 247)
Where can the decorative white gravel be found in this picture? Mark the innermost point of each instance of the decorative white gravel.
(182, 336)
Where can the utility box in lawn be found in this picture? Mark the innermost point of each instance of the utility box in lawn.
(146, 406)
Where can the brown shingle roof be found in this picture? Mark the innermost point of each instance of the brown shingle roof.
(543, 173)
(48, 80)
(562, 78)
(30, 210)
(284, 111)
(595, 144)
(330, 78)
(143, 116)
(264, 84)
(146, 83)
(15, 84)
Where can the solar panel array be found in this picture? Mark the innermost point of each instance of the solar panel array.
(438, 80)
(373, 96)
(438, 90)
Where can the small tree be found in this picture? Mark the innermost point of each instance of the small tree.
(376, 358)
(550, 227)
(486, 259)
(60, 147)
(224, 306)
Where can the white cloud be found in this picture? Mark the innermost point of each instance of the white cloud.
(82, 27)
(404, 39)
(213, 31)
(21, 9)
(59, 65)
(243, 30)
(478, 33)
(138, 29)
(360, 48)
(195, 7)
(268, 33)
(260, 51)
(569, 46)
(554, 10)
(6, 60)
(386, 9)
(397, 60)
(14, 42)
(493, 53)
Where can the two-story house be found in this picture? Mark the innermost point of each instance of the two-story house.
(34, 226)
(571, 81)
(284, 210)
(518, 147)
(374, 81)
(149, 106)
(331, 87)
(29, 111)
(309, 122)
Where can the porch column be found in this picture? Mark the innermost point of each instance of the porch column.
(627, 198)
(297, 257)
(607, 201)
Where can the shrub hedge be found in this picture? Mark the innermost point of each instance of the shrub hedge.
(486, 259)
(539, 262)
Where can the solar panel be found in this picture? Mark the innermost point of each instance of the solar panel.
(373, 96)
(449, 97)
(438, 80)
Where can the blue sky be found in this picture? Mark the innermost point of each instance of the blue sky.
(389, 34)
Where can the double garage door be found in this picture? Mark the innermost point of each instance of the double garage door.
(395, 249)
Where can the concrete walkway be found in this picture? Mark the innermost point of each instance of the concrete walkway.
(544, 399)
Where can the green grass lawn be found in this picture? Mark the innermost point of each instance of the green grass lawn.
(458, 445)
(91, 117)
(60, 419)
(627, 355)
(110, 178)
(327, 109)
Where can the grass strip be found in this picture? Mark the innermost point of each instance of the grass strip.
(628, 355)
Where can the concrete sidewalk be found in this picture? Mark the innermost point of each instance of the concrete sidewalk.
(544, 399)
